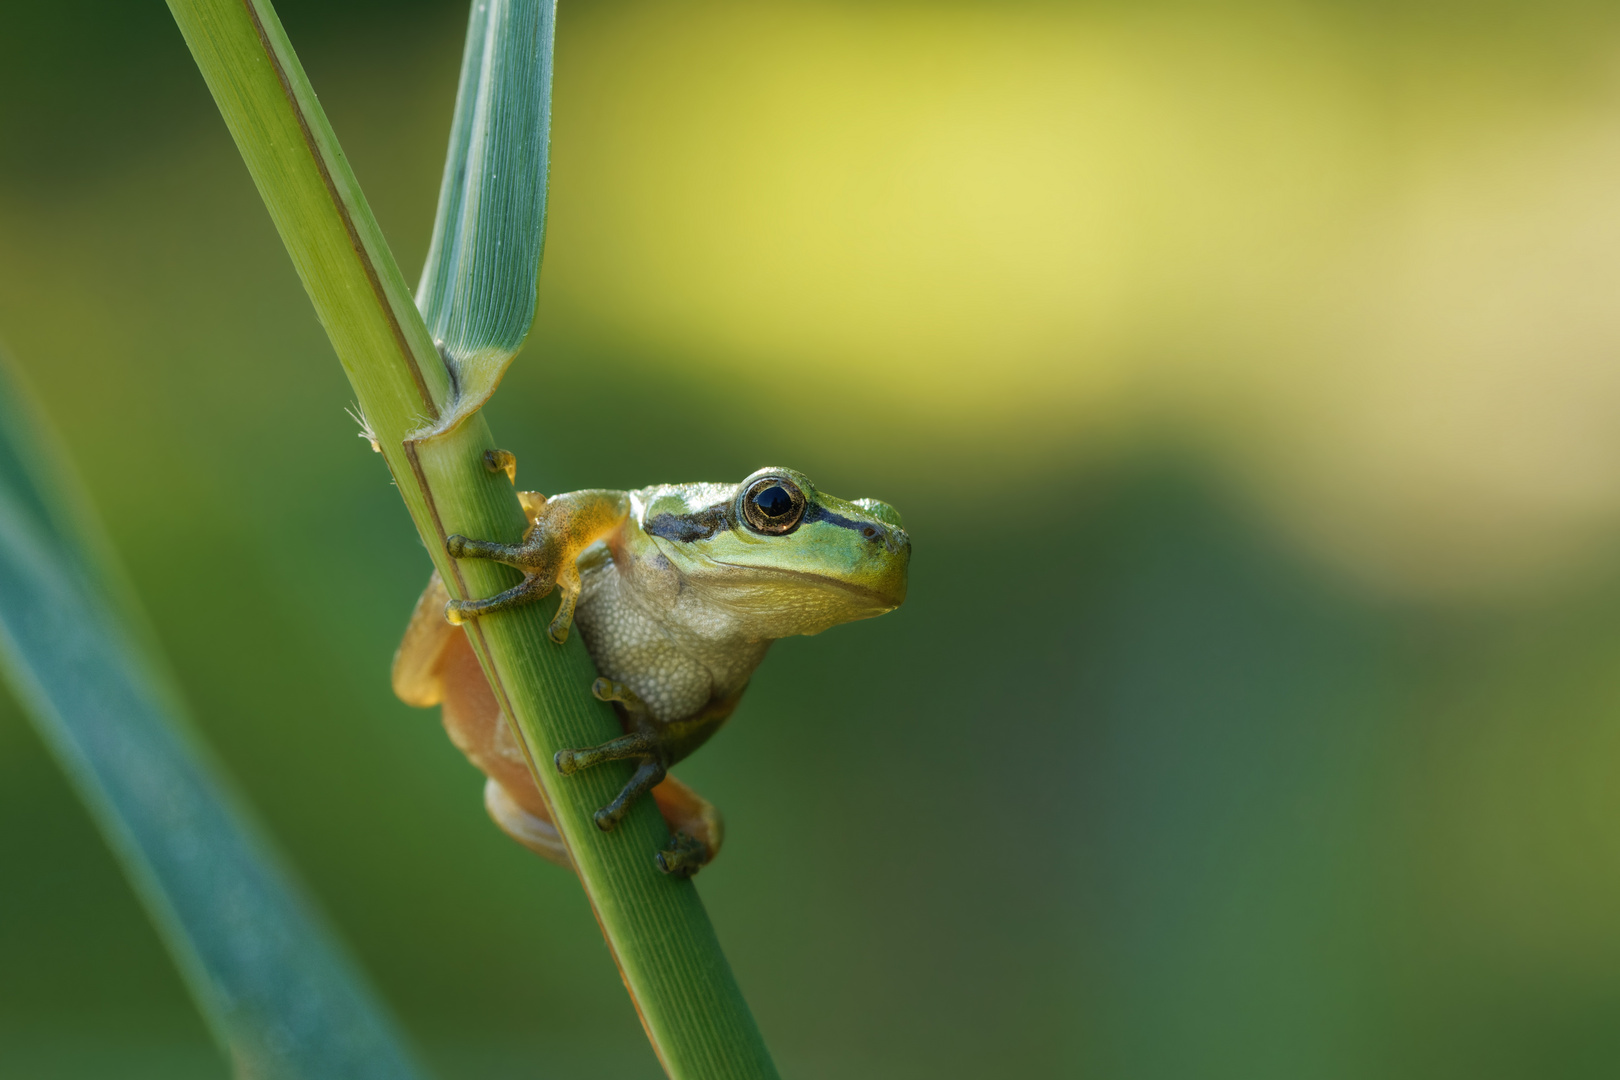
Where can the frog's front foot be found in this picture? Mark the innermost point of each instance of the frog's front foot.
(543, 568)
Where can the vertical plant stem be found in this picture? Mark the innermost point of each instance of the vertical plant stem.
(655, 926)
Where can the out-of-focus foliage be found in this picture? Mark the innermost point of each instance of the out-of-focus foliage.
(1254, 362)
(278, 991)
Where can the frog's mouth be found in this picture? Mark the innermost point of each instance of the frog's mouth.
(878, 599)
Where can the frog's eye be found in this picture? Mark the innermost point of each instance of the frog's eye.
(773, 505)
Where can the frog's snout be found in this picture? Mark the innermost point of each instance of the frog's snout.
(889, 560)
(883, 526)
(892, 537)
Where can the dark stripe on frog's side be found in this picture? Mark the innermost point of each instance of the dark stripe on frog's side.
(685, 528)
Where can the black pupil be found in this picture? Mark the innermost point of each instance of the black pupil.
(774, 501)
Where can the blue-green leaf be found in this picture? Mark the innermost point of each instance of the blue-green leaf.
(483, 267)
(273, 983)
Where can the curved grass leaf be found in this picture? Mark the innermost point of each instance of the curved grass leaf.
(483, 267)
(273, 983)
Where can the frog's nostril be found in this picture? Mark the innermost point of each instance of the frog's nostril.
(870, 532)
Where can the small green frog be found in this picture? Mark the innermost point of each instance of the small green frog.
(678, 590)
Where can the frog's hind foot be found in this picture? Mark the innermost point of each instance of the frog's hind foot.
(696, 829)
(684, 856)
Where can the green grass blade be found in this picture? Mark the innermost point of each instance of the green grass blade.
(656, 928)
(483, 267)
(273, 984)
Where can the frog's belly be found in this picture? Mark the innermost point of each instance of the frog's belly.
(629, 645)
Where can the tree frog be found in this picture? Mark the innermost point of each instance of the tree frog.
(678, 591)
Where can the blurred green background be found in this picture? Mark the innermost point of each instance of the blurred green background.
(1246, 372)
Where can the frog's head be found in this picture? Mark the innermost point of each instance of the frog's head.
(781, 555)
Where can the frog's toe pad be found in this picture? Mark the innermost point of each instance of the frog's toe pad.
(535, 833)
(684, 856)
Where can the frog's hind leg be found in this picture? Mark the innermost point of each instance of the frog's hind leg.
(536, 833)
(418, 671)
(473, 720)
